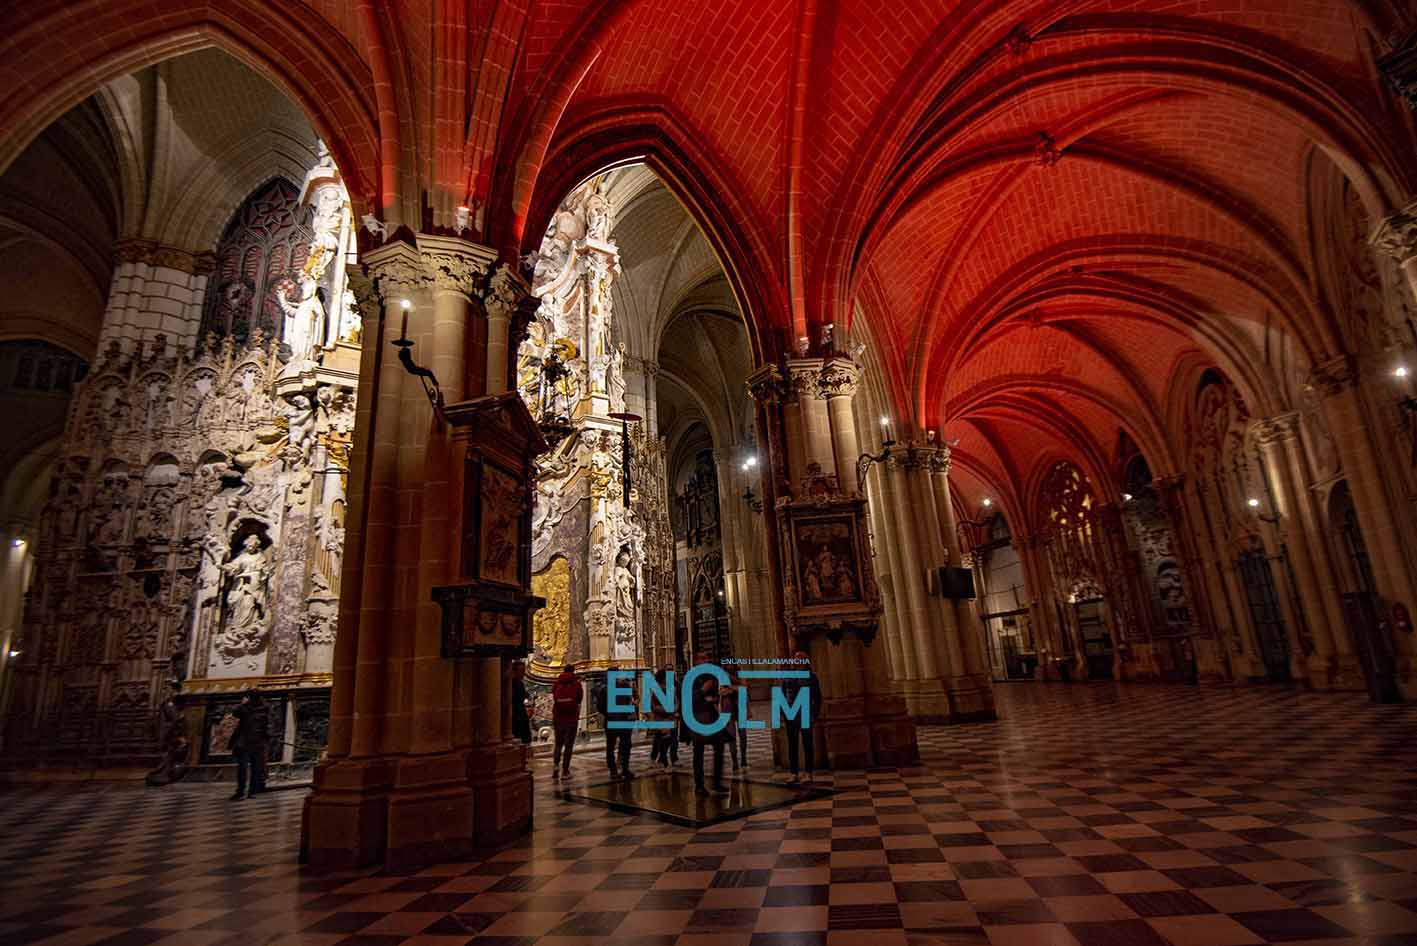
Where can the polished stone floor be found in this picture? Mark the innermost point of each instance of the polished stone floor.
(1091, 815)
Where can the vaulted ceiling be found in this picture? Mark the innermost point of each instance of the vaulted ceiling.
(1036, 210)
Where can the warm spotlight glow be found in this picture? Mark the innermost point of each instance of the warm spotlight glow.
(720, 594)
(988, 501)
(885, 421)
(751, 462)
(1253, 503)
(405, 304)
(1126, 497)
(18, 543)
(1400, 371)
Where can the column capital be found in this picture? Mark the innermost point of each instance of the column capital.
(505, 292)
(1397, 235)
(839, 377)
(1334, 376)
(153, 253)
(766, 385)
(395, 269)
(1279, 428)
(803, 377)
(454, 264)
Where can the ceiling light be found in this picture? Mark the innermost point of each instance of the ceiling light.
(405, 304)
(988, 501)
(751, 461)
(1400, 371)
(1253, 503)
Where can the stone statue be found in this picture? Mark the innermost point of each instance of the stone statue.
(248, 577)
(624, 590)
(304, 321)
(301, 433)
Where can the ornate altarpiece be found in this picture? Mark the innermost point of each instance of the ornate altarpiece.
(196, 520)
(605, 570)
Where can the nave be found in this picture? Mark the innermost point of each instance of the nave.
(1097, 815)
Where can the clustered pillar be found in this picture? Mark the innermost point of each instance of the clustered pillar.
(419, 767)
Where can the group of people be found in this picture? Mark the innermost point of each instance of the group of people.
(709, 700)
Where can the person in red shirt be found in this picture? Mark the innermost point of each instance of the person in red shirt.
(566, 696)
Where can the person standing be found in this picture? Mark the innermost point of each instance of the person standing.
(617, 738)
(705, 703)
(566, 697)
(665, 740)
(796, 732)
(521, 721)
(249, 744)
(747, 706)
(728, 703)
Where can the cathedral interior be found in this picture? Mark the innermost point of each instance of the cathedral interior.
(1041, 373)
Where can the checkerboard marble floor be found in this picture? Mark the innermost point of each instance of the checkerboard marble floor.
(1091, 815)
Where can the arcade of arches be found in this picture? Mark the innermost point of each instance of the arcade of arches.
(351, 350)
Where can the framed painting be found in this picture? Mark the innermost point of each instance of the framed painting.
(828, 560)
(496, 532)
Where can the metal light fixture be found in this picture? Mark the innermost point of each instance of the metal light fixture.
(1256, 507)
(749, 497)
(425, 375)
(626, 451)
(553, 414)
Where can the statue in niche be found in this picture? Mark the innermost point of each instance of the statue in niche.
(350, 324)
(624, 593)
(597, 214)
(325, 223)
(300, 435)
(304, 321)
(248, 579)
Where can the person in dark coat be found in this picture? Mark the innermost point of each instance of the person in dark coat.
(617, 739)
(705, 707)
(249, 744)
(521, 722)
(797, 734)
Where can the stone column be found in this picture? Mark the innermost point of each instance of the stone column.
(346, 815)
(651, 374)
(1384, 520)
(505, 291)
(918, 616)
(1396, 236)
(155, 290)
(1041, 608)
(1333, 665)
(417, 783)
(965, 612)
(837, 384)
(804, 378)
(1171, 495)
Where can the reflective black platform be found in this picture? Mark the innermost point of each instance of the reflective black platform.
(670, 797)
